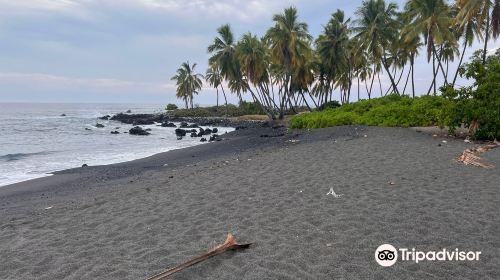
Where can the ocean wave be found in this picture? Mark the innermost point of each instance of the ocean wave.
(18, 156)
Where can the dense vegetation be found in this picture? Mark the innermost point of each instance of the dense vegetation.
(477, 106)
(392, 110)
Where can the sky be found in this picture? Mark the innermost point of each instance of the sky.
(126, 51)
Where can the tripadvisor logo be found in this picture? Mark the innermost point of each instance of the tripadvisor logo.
(387, 255)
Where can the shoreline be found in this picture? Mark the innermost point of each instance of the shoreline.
(146, 119)
(132, 220)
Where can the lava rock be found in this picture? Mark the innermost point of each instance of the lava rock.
(179, 137)
(215, 130)
(105, 117)
(115, 132)
(138, 131)
(203, 140)
(184, 125)
(240, 127)
(98, 125)
(168, 124)
(143, 122)
(85, 165)
(213, 138)
(63, 115)
(87, 128)
(129, 111)
(194, 134)
(180, 132)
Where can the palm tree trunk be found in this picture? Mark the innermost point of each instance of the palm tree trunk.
(225, 98)
(380, 85)
(217, 108)
(371, 85)
(307, 104)
(434, 70)
(459, 63)
(384, 63)
(440, 65)
(412, 61)
(358, 88)
(407, 79)
(487, 37)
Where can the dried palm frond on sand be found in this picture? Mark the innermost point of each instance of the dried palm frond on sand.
(230, 244)
(471, 156)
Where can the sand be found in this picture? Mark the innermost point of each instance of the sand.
(132, 220)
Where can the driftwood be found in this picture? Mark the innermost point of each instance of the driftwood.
(471, 156)
(230, 244)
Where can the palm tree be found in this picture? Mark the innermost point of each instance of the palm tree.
(432, 19)
(332, 48)
(376, 28)
(214, 78)
(254, 61)
(223, 50)
(288, 39)
(479, 10)
(188, 82)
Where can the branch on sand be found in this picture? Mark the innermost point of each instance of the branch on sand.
(471, 156)
(230, 244)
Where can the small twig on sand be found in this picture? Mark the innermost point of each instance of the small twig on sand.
(230, 244)
(471, 156)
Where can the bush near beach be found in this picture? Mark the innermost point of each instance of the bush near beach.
(477, 106)
(391, 110)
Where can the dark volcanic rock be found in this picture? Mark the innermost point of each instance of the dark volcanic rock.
(148, 129)
(184, 125)
(115, 132)
(207, 131)
(179, 137)
(138, 131)
(215, 130)
(143, 122)
(63, 115)
(203, 140)
(168, 124)
(239, 127)
(128, 111)
(85, 165)
(98, 125)
(194, 134)
(213, 137)
(87, 128)
(272, 135)
(105, 117)
(180, 132)
(142, 119)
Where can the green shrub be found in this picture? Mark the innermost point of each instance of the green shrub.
(392, 110)
(477, 106)
(171, 107)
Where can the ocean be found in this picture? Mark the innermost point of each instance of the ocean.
(35, 139)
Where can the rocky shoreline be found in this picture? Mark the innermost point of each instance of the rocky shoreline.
(165, 119)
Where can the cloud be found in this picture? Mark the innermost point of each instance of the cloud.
(45, 81)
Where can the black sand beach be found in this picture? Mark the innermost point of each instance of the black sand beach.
(133, 220)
